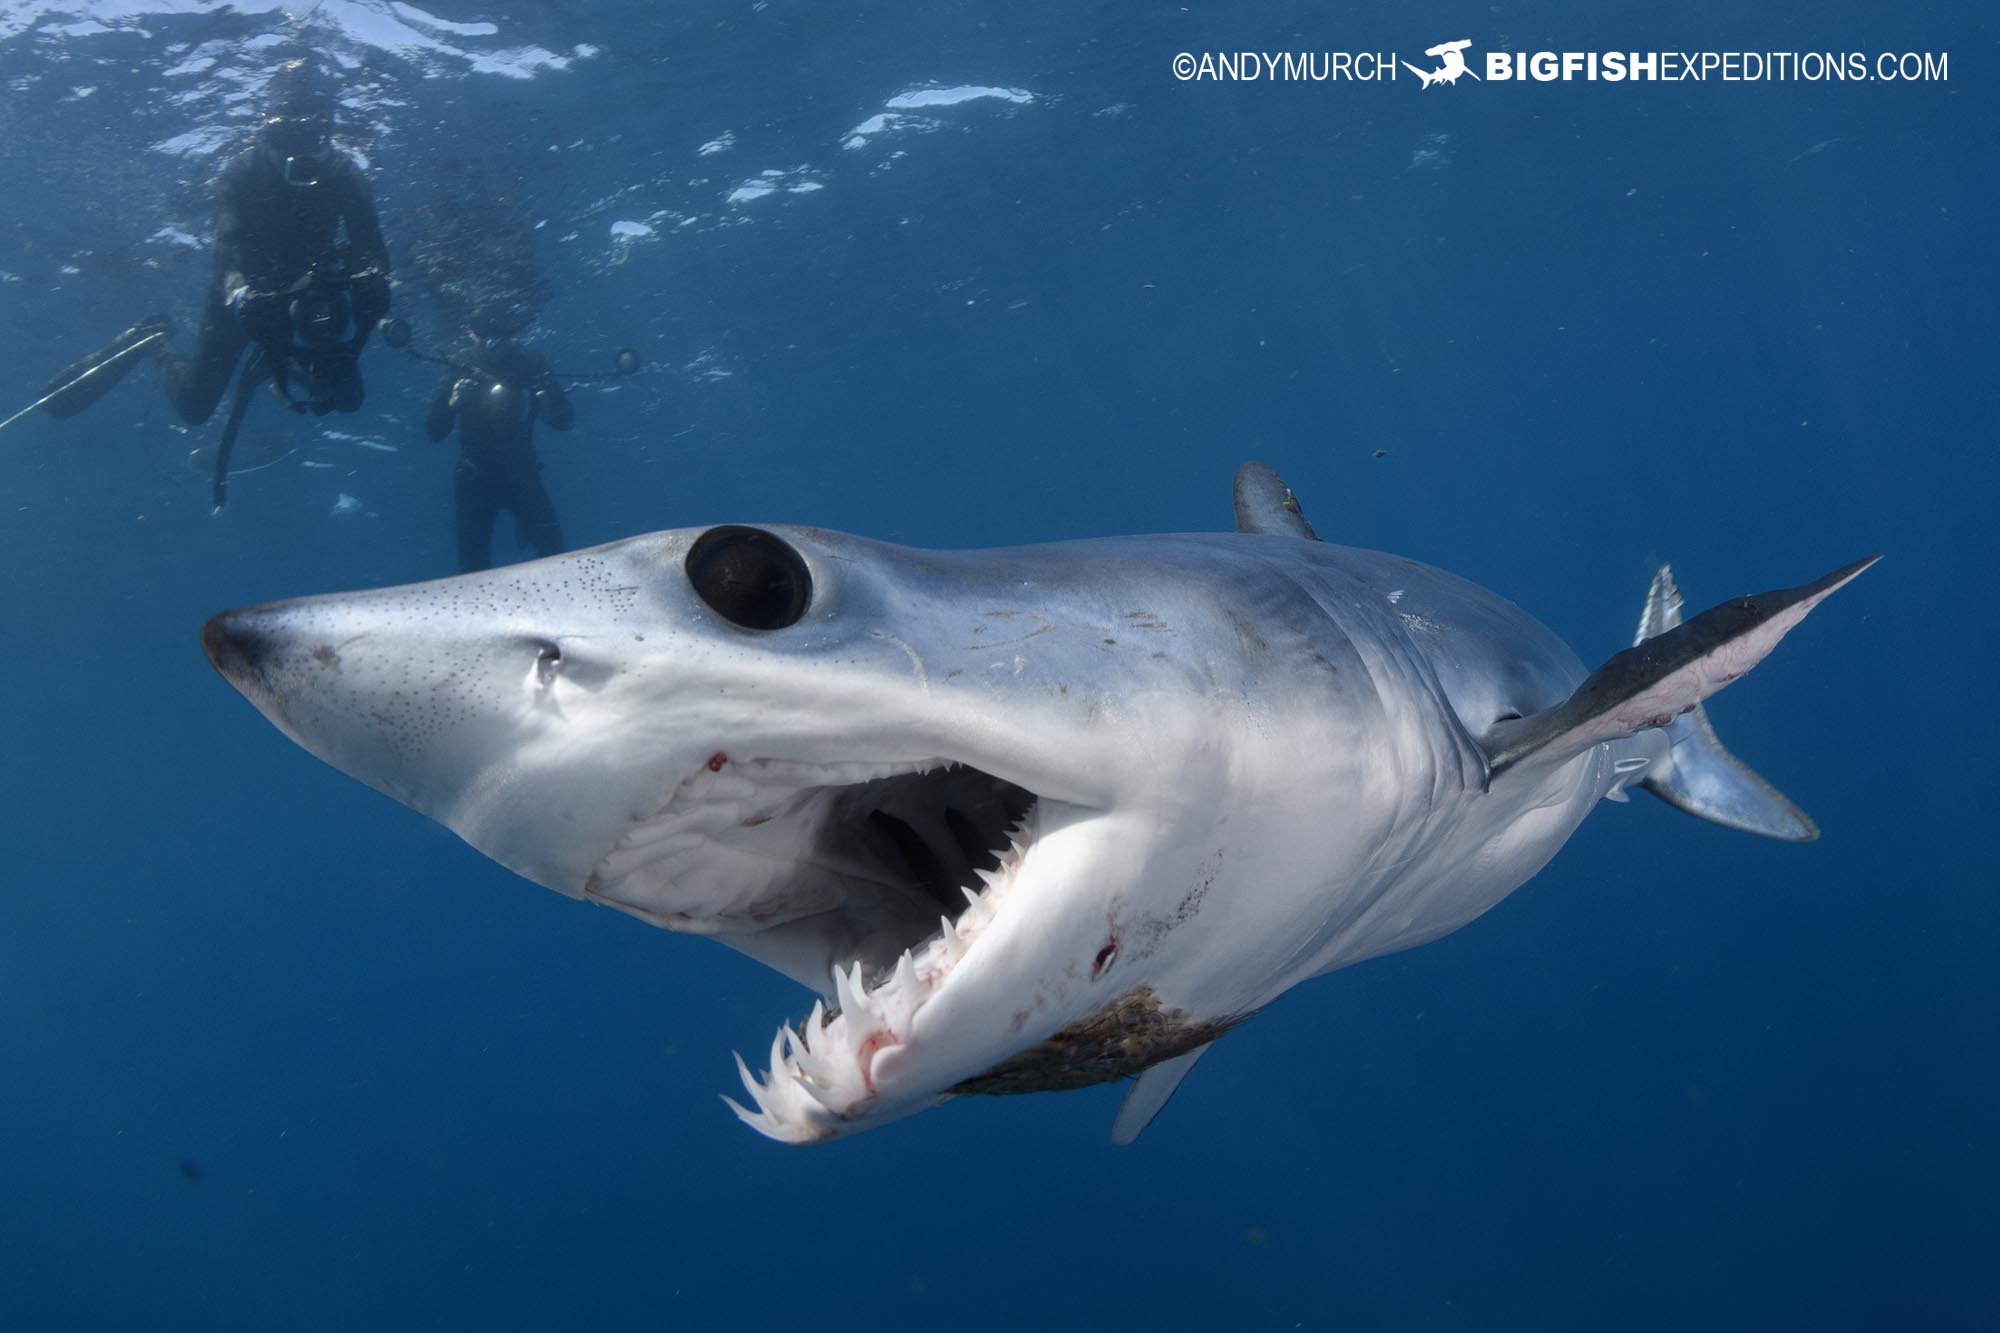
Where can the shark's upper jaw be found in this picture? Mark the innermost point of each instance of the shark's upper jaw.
(913, 885)
(841, 862)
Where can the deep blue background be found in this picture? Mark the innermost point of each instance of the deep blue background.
(1684, 1078)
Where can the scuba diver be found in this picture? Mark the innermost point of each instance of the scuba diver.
(497, 390)
(281, 284)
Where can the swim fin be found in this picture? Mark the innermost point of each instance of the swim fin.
(83, 382)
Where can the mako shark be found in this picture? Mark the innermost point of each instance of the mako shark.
(1027, 819)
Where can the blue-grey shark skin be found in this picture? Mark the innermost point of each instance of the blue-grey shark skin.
(1027, 818)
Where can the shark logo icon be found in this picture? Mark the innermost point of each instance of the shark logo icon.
(1451, 63)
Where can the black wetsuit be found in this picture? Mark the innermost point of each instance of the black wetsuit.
(496, 400)
(269, 235)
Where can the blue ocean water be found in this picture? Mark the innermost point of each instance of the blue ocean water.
(277, 1053)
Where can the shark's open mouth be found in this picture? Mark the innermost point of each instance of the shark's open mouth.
(881, 875)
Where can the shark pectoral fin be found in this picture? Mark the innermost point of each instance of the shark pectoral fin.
(1663, 675)
(1264, 504)
(1150, 1093)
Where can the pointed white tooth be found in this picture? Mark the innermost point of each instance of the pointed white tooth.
(812, 1042)
(816, 1071)
(909, 994)
(848, 992)
(988, 877)
(758, 1122)
(750, 1083)
(946, 930)
(817, 1019)
(971, 895)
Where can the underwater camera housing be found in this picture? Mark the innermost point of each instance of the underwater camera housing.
(320, 316)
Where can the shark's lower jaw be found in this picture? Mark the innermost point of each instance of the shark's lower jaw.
(882, 876)
(822, 1080)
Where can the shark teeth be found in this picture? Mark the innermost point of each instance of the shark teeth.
(820, 1072)
(820, 1076)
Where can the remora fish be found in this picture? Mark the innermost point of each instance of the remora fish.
(1028, 819)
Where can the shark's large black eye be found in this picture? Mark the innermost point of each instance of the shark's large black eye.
(749, 578)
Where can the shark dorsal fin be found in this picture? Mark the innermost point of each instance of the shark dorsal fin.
(1150, 1093)
(1662, 611)
(1662, 676)
(1265, 504)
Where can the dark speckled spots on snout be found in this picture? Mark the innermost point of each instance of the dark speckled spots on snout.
(255, 647)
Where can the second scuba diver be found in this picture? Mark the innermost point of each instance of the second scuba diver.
(496, 390)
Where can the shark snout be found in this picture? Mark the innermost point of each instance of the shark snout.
(444, 722)
(240, 644)
(278, 659)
